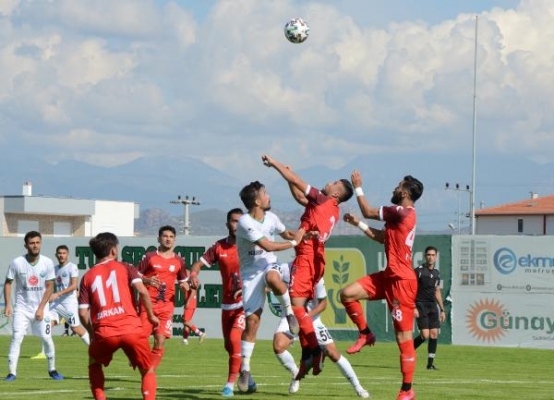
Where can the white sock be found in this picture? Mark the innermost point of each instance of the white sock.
(247, 348)
(86, 338)
(348, 372)
(284, 299)
(50, 352)
(13, 354)
(287, 360)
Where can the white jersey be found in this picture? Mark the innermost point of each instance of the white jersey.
(252, 257)
(64, 274)
(30, 280)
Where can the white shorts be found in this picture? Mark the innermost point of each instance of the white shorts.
(323, 336)
(253, 289)
(66, 308)
(23, 318)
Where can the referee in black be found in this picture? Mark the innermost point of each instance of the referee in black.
(429, 306)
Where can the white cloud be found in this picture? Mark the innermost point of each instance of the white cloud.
(230, 85)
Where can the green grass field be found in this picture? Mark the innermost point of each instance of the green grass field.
(199, 371)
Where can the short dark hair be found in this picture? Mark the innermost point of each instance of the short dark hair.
(432, 248)
(234, 211)
(413, 186)
(167, 228)
(348, 190)
(62, 247)
(32, 234)
(103, 243)
(249, 193)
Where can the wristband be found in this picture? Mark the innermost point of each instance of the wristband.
(359, 191)
(363, 226)
(442, 310)
(293, 242)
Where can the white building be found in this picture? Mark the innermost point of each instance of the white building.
(534, 216)
(65, 217)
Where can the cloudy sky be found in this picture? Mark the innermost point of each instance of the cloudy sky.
(106, 82)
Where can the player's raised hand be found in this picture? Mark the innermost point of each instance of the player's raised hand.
(351, 219)
(356, 179)
(267, 160)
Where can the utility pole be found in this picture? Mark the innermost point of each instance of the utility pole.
(186, 202)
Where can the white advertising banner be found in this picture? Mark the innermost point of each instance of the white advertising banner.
(208, 314)
(503, 291)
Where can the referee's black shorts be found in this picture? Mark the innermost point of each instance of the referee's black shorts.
(428, 315)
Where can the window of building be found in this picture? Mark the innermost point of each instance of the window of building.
(24, 226)
(520, 225)
(62, 229)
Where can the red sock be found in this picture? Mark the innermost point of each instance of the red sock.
(307, 333)
(234, 354)
(407, 360)
(193, 328)
(96, 379)
(355, 311)
(148, 386)
(186, 333)
(157, 355)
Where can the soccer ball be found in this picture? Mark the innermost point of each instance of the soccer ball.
(297, 30)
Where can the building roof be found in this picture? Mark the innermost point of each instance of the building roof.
(532, 206)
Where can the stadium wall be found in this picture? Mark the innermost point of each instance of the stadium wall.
(494, 303)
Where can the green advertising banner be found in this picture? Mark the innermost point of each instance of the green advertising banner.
(349, 258)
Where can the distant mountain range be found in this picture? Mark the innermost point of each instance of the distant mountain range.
(154, 182)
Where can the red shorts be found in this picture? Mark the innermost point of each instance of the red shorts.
(232, 319)
(190, 309)
(164, 312)
(305, 273)
(135, 347)
(399, 293)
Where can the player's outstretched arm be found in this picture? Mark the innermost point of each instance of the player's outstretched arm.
(285, 172)
(372, 233)
(268, 245)
(365, 208)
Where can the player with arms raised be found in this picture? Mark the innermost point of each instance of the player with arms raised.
(107, 311)
(224, 253)
(320, 215)
(397, 283)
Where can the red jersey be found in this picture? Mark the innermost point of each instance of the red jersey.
(168, 271)
(400, 225)
(106, 290)
(321, 214)
(225, 254)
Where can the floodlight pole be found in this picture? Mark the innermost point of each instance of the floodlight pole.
(186, 202)
(472, 201)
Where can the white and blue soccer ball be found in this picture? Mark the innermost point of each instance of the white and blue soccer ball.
(297, 30)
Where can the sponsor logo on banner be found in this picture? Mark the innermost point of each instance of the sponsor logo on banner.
(342, 267)
(488, 320)
(506, 261)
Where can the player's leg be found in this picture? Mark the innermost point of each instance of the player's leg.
(138, 352)
(163, 331)
(70, 311)
(342, 364)
(274, 280)
(100, 353)
(43, 329)
(253, 298)
(401, 301)
(232, 323)
(422, 324)
(369, 287)
(20, 322)
(434, 324)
